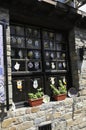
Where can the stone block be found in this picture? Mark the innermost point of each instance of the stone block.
(6, 123)
(35, 109)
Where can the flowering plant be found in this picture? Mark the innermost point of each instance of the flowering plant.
(60, 90)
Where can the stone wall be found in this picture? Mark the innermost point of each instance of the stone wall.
(62, 115)
(4, 19)
(80, 45)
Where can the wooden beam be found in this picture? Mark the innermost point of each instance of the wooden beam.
(49, 1)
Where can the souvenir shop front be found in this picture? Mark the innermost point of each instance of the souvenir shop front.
(37, 47)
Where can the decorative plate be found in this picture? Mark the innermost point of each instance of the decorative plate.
(30, 65)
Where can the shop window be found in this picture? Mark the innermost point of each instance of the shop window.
(37, 54)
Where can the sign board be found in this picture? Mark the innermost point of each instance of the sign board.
(2, 93)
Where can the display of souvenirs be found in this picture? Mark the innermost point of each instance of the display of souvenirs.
(29, 44)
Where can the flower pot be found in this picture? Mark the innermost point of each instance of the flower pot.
(59, 97)
(35, 102)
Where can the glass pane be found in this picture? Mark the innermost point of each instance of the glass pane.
(20, 31)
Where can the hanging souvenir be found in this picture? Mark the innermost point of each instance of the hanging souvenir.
(46, 44)
(35, 83)
(20, 54)
(30, 54)
(13, 53)
(47, 64)
(37, 54)
(47, 54)
(53, 65)
(51, 45)
(60, 65)
(58, 55)
(29, 42)
(13, 39)
(19, 40)
(29, 31)
(19, 85)
(52, 55)
(17, 66)
(36, 43)
(36, 65)
(63, 55)
(30, 65)
(35, 32)
(64, 65)
(52, 80)
(51, 35)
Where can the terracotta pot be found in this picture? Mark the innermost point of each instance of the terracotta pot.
(59, 97)
(35, 102)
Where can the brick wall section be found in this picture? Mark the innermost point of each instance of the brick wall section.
(60, 114)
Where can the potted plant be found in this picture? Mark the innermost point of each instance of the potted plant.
(36, 99)
(60, 92)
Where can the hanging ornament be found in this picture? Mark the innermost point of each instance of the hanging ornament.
(17, 66)
(35, 83)
(19, 85)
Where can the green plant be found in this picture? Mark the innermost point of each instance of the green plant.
(36, 95)
(60, 90)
